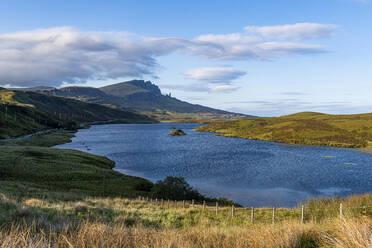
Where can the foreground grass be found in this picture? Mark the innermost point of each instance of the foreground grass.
(339, 233)
(120, 222)
(303, 128)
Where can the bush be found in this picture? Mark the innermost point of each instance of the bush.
(175, 188)
(23, 213)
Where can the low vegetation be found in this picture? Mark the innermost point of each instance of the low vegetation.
(306, 128)
(119, 222)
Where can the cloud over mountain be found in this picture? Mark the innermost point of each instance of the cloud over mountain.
(225, 88)
(216, 75)
(63, 54)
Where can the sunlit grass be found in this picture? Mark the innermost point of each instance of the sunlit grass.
(302, 128)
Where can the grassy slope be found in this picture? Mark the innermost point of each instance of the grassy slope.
(79, 111)
(29, 167)
(306, 128)
(22, 113)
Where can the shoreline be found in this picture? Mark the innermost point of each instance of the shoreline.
(366, 150)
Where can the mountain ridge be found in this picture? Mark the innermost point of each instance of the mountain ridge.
(142, 96)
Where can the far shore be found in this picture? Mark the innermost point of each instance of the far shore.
(364, 150)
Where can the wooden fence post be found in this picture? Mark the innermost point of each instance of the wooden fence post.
(232, 211)
(168, 203)
(341, 210)
(192, 203)
(252, 215)
(183, 204)
(175, 203)
(203, 205)
(302, 213)
(162, 202)
(216, 208)
(274, 214)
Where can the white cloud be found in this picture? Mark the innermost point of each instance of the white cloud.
(214, 74)
(298, 31)
(56, 55)
(59, 55)
(225, 88)
(186, 87)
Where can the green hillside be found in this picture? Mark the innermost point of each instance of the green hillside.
(307, 128)
(24, 112)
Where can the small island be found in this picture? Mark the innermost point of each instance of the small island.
(176, 132)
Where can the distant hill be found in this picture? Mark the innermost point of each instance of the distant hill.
(142, 96)
(23, 112)
(306, 128)
(131, 87)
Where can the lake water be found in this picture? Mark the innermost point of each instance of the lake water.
(251, 172)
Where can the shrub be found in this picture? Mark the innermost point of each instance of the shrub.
(175, 188)
(23, 213)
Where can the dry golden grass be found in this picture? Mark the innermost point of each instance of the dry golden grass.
(305, 128)
(355, 233)
(349, 233)
(121, 222)
(101, 235)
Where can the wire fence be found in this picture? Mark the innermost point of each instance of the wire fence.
(301, 213)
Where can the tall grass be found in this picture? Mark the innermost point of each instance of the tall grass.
(355, 233)
(119, 235)
(120, 222)
(348, 233)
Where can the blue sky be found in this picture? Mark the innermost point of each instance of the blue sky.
(265, 58)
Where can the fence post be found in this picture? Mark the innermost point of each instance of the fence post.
(168, 203)
(175, 203)
(162, 202)
(203, 205)
(274, 214)
(341, 210)
(232, 211)
(252, 215)
(216, 208)
(364, 212)
(183, 204)
(302, 213)
(192, 204)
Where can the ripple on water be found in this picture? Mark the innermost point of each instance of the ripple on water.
(251, 172)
